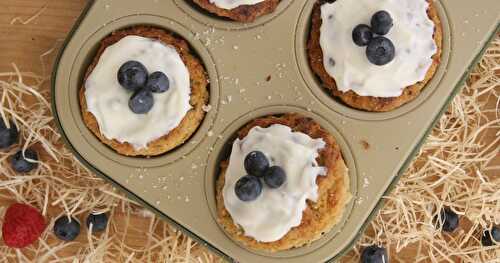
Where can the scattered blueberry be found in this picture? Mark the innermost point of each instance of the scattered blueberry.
(132, 75)
(248, 188)
(8, 136)
(275, 176)
(66, 230)
(158, 82)
(380, 51)
(495, 233)
(448, 219)
(381, 22)
(361, 35)
(256, 163)
(99, 222)
(141, 102)
(374, 254)
(490, 235)
(20, 163)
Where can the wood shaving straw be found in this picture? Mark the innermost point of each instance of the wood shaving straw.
(61, 186)
(454, 169)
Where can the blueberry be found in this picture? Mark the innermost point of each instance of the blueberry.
(381, 22)
(490, 235)
(256, 163)
(20, 163)
(486, 239)
(374, 254)
(158, 82)
(448, 219)
(380, 51)
(99, 222)
(361, 35)
(66, 230)
(275, 176)
(141, 102)
(495, 233)
(132, 75)
(8, 136)
(248, 188)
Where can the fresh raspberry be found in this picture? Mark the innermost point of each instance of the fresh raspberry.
(22, 225)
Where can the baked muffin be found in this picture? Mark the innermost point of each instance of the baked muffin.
(304, 187)
(408, 34)
(239, 10)
(156, 115)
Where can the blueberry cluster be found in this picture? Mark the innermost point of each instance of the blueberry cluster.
(249, 187)
(134, 77)
(68, 228)
(21, 163)
(380, 50)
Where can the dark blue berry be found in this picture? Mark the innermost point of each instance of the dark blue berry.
(495, 233)
(256, 163)
(490, 235)
(361, 35)
(65, 229)
(141, 102)
(158, 82)
(248, 188)
(99, 222)
(8, 136)
(132, 75)
(20, 163)
(381, 23)
(447, 219)
(374, 254)
(380, 51)
(275, 176)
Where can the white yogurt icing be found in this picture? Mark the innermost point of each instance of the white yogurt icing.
(108, 101)
(275, 211)
(412, 35)
(231, 4)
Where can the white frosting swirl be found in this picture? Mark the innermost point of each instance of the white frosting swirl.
(108, 101)
(231, 4)
(275, 211)
(412, 35)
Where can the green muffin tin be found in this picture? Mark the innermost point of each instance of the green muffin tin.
(258, 69)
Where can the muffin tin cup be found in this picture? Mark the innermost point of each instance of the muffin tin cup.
(258, 69)
(221, 151)
(320, 92)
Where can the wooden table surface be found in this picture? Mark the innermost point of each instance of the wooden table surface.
(23, 44)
